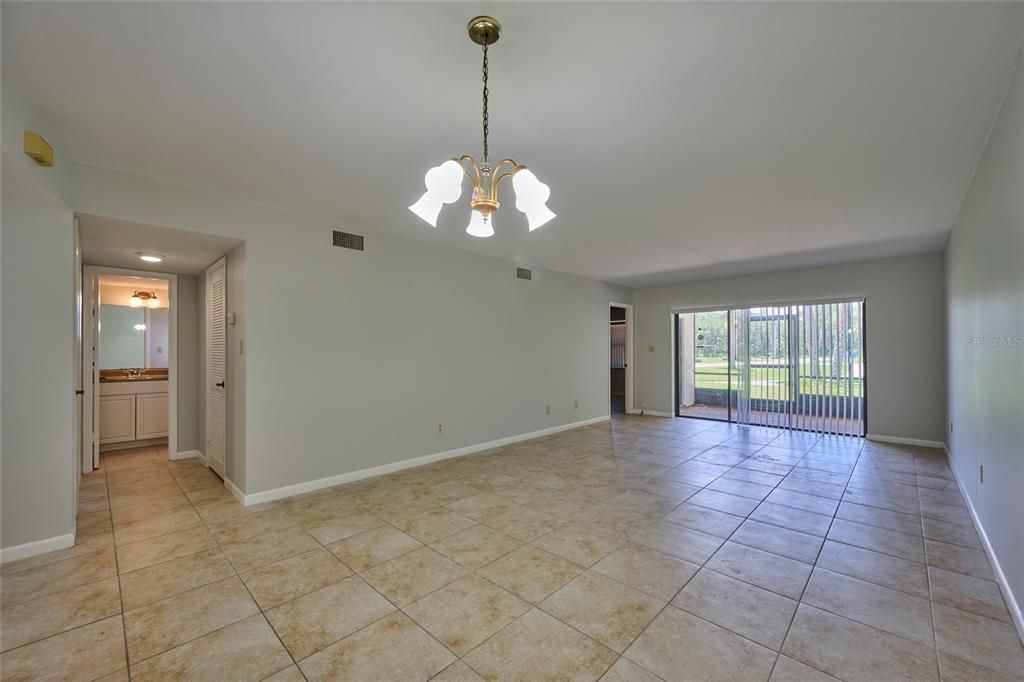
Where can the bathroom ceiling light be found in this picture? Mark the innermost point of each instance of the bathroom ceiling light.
(150, 258)
(444, 182)
(146, 299)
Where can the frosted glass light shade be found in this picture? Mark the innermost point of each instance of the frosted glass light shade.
(153, 302)
(444, 186)
(480, 226)
(531, 198)
(135, 302)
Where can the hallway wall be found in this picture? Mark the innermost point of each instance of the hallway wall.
(353, 358)
(188, 364)
(37, 452)
(985, 310)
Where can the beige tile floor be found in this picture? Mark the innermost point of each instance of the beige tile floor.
(646, 549)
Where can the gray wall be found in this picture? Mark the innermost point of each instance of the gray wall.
(905, 332)
(188, 363)
(353, 358)
(37, 464)
(985, 311)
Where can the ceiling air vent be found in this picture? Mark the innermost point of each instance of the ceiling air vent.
(348, 241)
(523, 273)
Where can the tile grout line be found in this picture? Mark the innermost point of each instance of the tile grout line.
(803, 592)
(238, 576)
(626, 487)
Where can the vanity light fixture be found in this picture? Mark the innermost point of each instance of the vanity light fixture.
(150, 258)
(444, 182)
(146, 299)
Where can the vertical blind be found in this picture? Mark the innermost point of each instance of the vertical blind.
(799, 367)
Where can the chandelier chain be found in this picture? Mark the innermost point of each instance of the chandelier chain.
(486, 116)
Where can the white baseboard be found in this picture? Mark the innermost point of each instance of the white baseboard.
(189, 454)
(900, 440)
(236, 492)
(309, 486)
(38, 547)
(1011, 601)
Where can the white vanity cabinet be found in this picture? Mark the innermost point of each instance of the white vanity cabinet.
(133, 410)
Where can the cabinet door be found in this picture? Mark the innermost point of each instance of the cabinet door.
(151, 415)
(117, 418)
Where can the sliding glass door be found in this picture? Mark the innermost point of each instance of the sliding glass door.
(789, 366)
(703, 348)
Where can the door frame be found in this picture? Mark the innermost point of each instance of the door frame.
(629, 357)
(78, 364)
(91, 383)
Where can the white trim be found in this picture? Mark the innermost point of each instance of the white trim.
(673, 342)
(900, 440)
(309, 486)
(240, 496)
(653, 413)
(1011, 601)
(172, 336)
(628, 307)
(188, 454)
(38, 547)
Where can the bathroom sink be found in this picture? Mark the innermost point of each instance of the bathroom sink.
(112, 376)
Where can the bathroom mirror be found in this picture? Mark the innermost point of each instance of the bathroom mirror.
(133, 338)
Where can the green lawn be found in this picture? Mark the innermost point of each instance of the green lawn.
(713, 373)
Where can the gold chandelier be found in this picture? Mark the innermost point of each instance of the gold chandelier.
(444, 182)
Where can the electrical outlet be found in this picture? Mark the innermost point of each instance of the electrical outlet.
(650, 349)
(440, 428)
(576, 405)
(547, 409)
(981, 473)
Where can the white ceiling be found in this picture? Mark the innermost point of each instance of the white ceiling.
(678, 139)
(117, 243)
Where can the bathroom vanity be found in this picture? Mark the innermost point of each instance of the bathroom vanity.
(133, 409)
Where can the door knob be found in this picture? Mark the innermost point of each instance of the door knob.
(219, 384)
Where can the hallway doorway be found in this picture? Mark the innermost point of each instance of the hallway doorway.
(620, 352)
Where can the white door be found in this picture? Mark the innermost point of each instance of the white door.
(151, 415)
(216, 367)
(89, 372)
(79, 390)
(117, 418)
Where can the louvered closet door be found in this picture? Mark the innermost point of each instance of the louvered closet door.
(216, 367)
